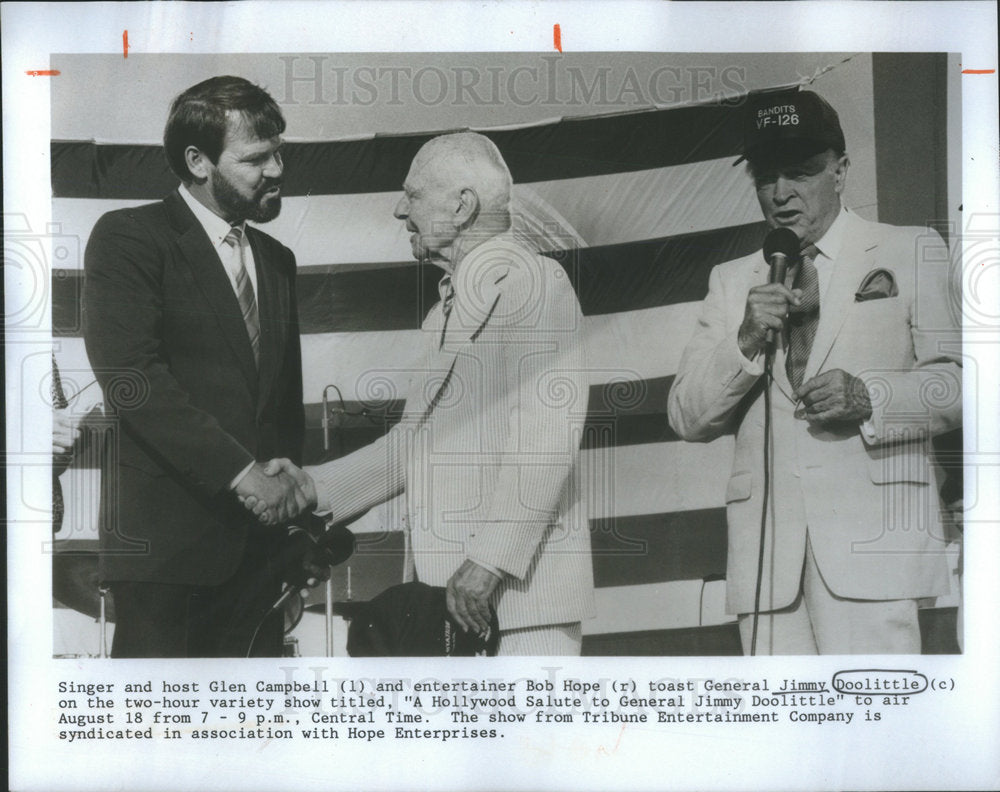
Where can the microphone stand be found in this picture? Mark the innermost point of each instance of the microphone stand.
(329, 616)
(103, 621)
(327, 422)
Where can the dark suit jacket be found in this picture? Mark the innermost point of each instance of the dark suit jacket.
(166, 339)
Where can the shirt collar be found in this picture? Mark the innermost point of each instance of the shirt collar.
(830, 243)
(216, 227)
(452, 281)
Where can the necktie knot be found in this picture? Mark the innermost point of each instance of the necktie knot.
(244, 291)
(234, 237)
(806, 280)
(447, 292)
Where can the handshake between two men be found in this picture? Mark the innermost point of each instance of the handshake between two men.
(276, 491)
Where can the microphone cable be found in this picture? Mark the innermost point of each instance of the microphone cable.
(334, 546)
(253, 638)
(768, 361)
(290, 589)
(779, 246)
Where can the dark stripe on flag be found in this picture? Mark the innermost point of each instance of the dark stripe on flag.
(562, 150)
(623, 413)
(377, 564)
(715, 640)
(387, 298)
(652, 548)
(608, 279)
(655, 272)
(658, 548)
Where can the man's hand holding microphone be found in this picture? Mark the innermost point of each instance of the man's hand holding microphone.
(830, 397)
(768, 305)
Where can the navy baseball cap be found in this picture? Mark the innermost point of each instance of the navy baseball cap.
(791, 120)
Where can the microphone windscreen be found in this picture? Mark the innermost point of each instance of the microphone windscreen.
(781, 240)
(337, 544)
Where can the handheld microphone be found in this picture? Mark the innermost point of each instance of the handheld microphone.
(334, 546)
(780, 245)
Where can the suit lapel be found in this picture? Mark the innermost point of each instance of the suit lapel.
(457, 343)
(207, 270)
(272, 306)
(854, 260)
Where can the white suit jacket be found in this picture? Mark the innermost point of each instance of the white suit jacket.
(491, 472)
(870, 503)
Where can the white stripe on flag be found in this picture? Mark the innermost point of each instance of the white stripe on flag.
(648, 204)
(656, 478)
(658, 606)
(621, 346)
(651, 478)
(604, 210)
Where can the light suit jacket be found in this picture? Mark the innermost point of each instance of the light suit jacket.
(870, 503)
(490, 473)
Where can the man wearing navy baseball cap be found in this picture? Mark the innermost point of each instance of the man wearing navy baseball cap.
(864, 371)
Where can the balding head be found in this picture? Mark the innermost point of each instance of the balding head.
(467, 160)
(458, 186)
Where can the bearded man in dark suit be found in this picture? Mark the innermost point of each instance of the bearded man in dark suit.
(197, 311)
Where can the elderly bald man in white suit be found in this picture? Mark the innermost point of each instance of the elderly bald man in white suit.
(488, 447)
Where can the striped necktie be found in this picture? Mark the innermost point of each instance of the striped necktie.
(244, 292)
(447, 292)
(803, 320)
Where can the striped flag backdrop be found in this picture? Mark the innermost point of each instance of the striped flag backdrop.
(637, 207)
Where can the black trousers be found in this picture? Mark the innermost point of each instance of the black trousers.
(172, 620)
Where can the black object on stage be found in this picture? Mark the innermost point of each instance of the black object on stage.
(412, 620)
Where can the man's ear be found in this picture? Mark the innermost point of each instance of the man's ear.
(840, 174)
(468, 207)
(197, 163)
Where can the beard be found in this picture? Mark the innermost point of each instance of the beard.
(236, 207)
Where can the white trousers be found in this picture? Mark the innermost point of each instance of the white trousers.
(820, 622)
(547, 640)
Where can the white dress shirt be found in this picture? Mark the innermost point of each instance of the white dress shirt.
(218, 229)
